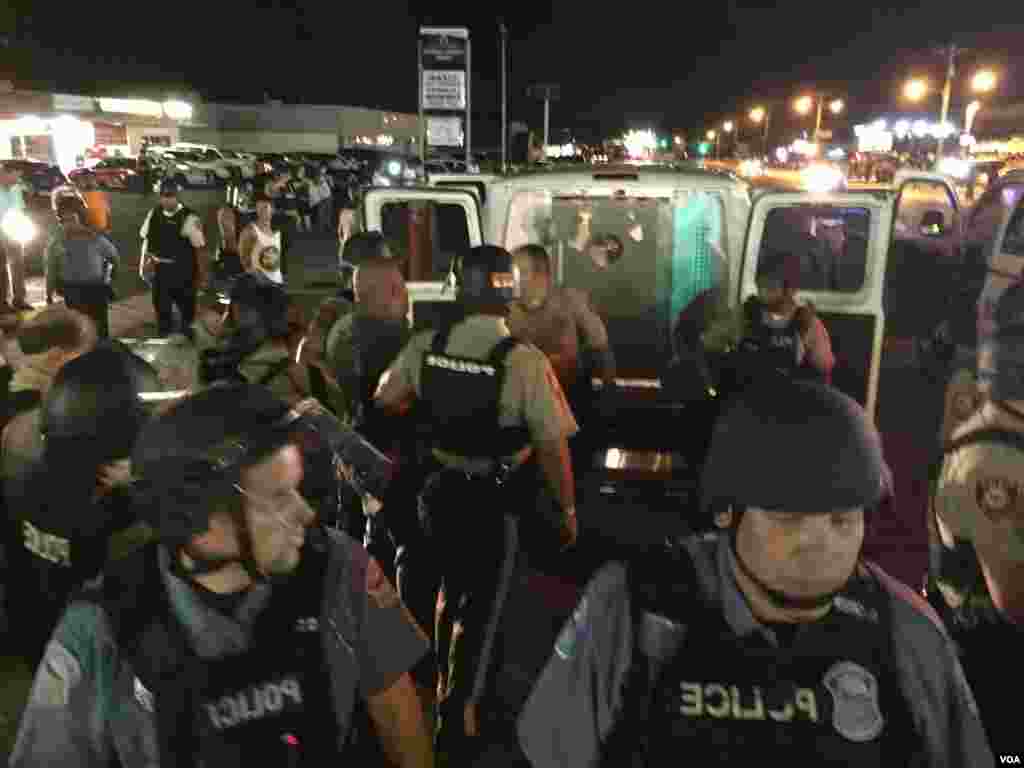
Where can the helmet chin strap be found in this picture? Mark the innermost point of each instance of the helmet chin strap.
(200, 566)
(775, 597)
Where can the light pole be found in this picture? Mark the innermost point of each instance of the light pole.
(728, 127)
(762, 116)
(504, 97)
(984, 81)
(804, 104)
(548, 93)
(713, 136)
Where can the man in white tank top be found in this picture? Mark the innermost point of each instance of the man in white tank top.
(259, 234)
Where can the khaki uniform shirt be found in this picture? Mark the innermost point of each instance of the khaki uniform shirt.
(531, 395)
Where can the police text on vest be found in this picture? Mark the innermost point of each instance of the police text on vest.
(460, 366)
(730, 702)
(1009, 759)
(254, 703)
(46, 545)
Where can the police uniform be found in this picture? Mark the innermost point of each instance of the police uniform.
(279, 675)
(779, 341)
(149, 667)
(167, 237)
(666, 655)
(978, 508)
(874, 683)
(89, 420)
(487, 398)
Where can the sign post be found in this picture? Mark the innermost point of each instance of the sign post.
(444, 88)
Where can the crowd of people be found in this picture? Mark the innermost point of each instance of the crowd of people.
(201, 577)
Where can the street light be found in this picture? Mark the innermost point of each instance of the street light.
(803, 105)
(728, 126)
(711, 135)
(984, 81)
(836, 106)
(757, 114)
(916, 89)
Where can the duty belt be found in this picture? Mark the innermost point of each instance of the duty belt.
(483, 468)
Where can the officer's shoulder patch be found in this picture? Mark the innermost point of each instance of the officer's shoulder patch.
(856, 714)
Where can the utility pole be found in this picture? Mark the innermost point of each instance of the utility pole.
(817, 121)
(548, 93)
(504, 97)
(950, 52)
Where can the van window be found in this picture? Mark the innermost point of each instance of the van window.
(829, 245)
(425, 235)
(698, 250)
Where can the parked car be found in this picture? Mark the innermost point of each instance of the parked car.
(116, 172)
(189, 169)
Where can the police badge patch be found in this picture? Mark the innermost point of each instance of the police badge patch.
(997, 497)
(856, 714)
(568, 638)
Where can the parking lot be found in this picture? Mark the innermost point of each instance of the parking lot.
(311, 260)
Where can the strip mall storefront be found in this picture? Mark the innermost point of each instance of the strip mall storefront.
(70, 130)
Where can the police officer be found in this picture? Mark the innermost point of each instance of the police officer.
(243, 636)
(783, 334)
(561, 322)
(977, 526)
(494, 405)
(67, 506)
(770, 636)
(171, 236)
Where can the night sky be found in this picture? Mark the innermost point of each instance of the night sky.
(635, 65)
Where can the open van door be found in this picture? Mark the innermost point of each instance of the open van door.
(427, 228)
(841, 241)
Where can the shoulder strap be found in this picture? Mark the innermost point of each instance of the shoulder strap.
(440, 341)
(662, 587)
(501, 351)
(989, 435)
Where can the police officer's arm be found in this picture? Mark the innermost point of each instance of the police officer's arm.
(389, 645)
(246, 244)
(933, 682)
(144, 234)
(397, 388)
(550, 422)
(817, 343)
(59, 725)
(577, 697)
(594, 333)
(193, 230)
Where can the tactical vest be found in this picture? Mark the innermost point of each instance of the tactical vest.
(164, 239)
(779, 348)
(59, 542)
(830, 698)
(269, 705)
(463, 395)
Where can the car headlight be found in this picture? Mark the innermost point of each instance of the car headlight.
(18, 227)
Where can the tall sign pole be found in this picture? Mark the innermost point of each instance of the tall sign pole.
(444, 87)
(547, 93)
(504, 98)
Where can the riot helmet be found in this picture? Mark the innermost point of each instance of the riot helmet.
(803, 448)
(188, 462)
(486, 275)
(93, 410)
(169, 188)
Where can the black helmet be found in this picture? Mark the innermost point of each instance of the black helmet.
(794, 446)
(487, 274)
(194, 453)
(93, 406)
(169, 188)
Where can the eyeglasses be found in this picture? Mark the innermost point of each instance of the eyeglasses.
(286, 508)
